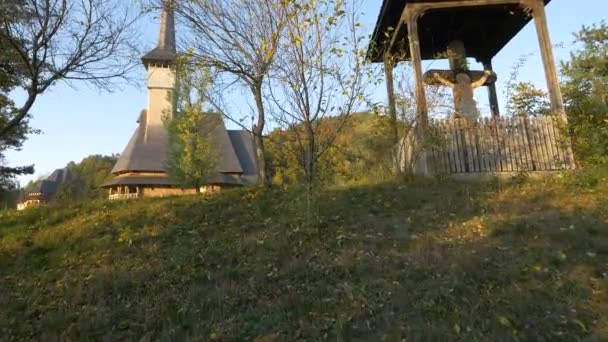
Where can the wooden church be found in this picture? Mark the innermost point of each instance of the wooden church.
(141, 169)
(45, 190)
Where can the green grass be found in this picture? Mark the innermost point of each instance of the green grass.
(427, 261)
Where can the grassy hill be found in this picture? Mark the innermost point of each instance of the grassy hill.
(525, 260)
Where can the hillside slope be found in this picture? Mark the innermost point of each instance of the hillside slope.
(423, 261)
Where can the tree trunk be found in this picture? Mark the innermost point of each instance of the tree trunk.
(309, 170)
(258, 130)
(309, 155)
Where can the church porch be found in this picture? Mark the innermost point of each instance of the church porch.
(134, 185)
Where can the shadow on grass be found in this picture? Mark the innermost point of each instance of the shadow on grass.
(422, 261)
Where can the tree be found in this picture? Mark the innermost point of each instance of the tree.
(239, 39)
(585, 89)
(362, 152)
(10, 77)
(86, 179)
(526, 99)
(193, 153)
(320, 72)
(49, 41)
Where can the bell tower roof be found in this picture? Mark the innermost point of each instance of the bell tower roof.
(165, 51)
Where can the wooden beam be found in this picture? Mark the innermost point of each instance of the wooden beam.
(546, 51)
(416, 59)
(492, 96)
(396, 32)
(389, 65)
(423, 6)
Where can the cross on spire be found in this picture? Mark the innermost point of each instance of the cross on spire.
(165, 51)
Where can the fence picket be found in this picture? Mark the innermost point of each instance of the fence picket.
(546, 144)
(490, 129)
(500, 143)
(470, 133)
(556, 137)
(537, 146)
(460, 141)
(542, 141)
(521, 156)
(476, 152)
(523, 140)
(508, 143)
(454, 153)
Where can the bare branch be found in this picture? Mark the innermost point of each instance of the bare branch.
(238, 38)
(69, 40)
(320, 74)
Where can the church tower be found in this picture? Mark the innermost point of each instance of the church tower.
(141, 169)
(141, 166)
(161, 74)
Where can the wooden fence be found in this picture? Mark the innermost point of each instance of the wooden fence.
(498, 145)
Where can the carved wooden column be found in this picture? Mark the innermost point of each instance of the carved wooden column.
(537, 8)
(492, 96)
(412, 16)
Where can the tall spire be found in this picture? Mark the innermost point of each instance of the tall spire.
(165, 51)
(166, 36)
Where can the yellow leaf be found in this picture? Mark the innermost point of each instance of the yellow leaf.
(580, 324)
(504, 321)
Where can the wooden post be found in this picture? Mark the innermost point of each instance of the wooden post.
(414, 42)
(421, 163)
(555, 94)
(389, 65)
(492, 96)
(540, 20)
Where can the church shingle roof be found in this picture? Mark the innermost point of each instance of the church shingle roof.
(147, 152)
(51, 184)
(165, 51)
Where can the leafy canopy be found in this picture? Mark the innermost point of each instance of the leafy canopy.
(193, 154)
(586, 93)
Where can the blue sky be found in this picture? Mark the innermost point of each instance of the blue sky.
(80, 120)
